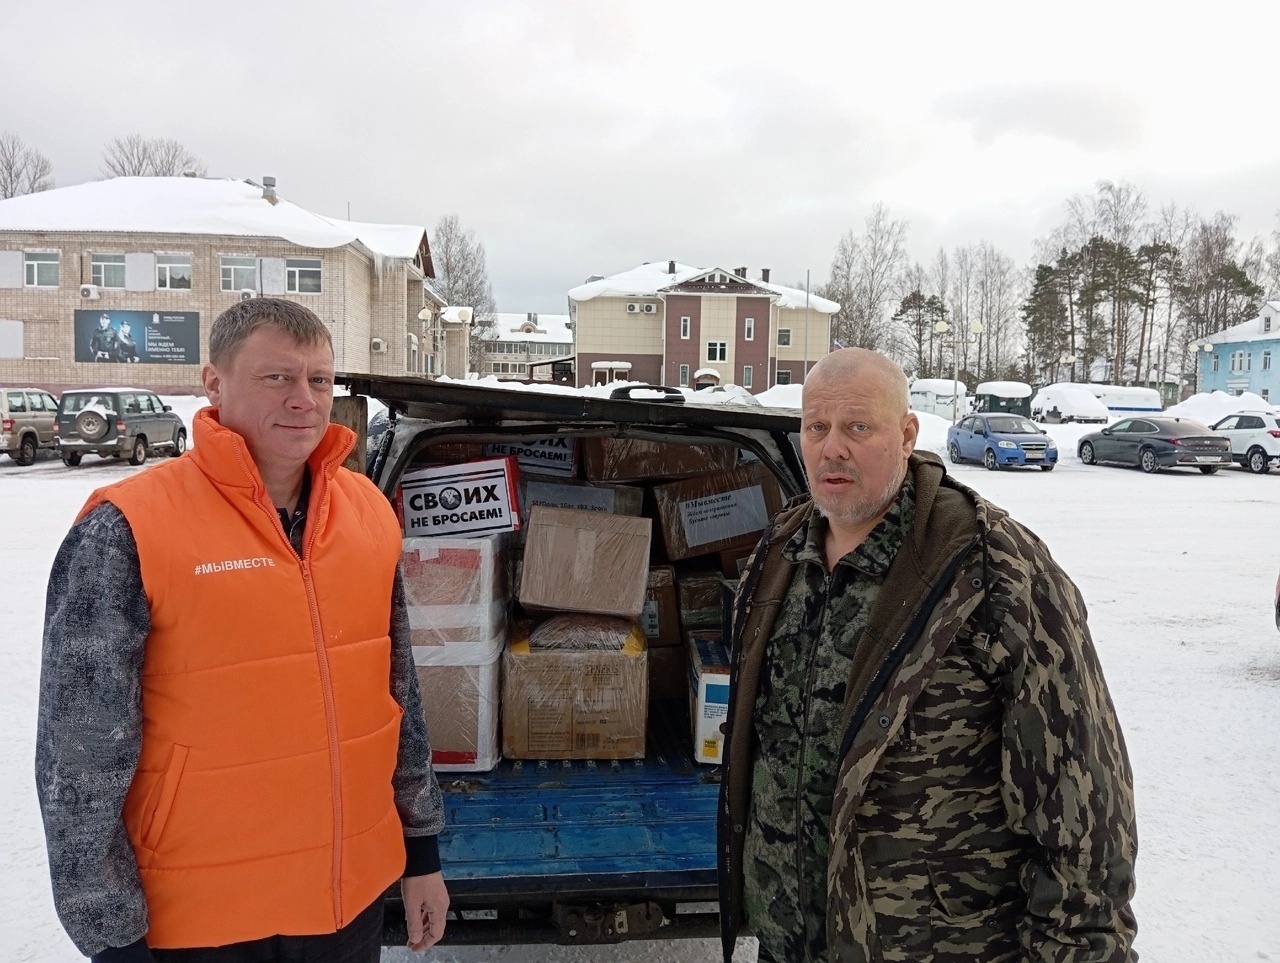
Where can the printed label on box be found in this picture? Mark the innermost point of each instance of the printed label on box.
(474, 499)
(546, 456)
(649, 619)
(724, 515)
(557, 495)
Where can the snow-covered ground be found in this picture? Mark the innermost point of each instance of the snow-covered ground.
(1178, 570)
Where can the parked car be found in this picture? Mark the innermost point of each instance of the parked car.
(1255, 438)
(1001, 441)
(116, 422)
(1155, 443)
(1064, 403)
(26, 422)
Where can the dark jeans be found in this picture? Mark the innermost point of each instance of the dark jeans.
(360, 941)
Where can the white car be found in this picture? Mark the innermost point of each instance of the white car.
(1255, 438)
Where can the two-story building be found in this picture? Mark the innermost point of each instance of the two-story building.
(1244, 357)
(529, 347)
(668, 323)
(118, 281)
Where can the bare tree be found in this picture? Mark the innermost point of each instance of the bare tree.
(462, 278)
(23, 169)
(136, 156)
(866, 277)
(1271, 276)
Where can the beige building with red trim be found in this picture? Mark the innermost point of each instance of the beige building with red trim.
(668, 323)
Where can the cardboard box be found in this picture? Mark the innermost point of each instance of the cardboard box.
(634, 459)
(661, 616)
(450, 453)
(701, 595)
(474, 498)
(708, 693)
(729, 510)
(590, 562)
(575, 704)
(733, 560)
(557, 455)
(583, 496)
(456, 588)
(460, 696)
(668, 673)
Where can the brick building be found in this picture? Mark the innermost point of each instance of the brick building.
(668, 323)
(118, 281)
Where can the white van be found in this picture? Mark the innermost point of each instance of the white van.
(1064, 403)
(939, 396)
(1128, 399)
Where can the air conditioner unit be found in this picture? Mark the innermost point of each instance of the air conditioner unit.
(633, 308)
(247, 293)
(89, 292)
(378, 346)
(650, 309)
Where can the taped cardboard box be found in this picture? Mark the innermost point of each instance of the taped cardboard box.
(668, 673)
(557, 455)
(635, 459)
(708, 693)
(460, 696)
(589, 562)
(456, 588)
(701, 594)
(661, 616)
(474, 498)
(713, 513)
(575, 703)
(579, 495)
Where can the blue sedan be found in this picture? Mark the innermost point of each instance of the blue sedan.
(1001, 440)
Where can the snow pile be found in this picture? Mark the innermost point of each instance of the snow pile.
(1211, 408)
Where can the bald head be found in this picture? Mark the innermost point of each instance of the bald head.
(868, 369)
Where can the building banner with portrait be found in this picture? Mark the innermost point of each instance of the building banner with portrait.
(138, 337)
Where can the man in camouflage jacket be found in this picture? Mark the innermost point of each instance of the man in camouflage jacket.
(923, 762)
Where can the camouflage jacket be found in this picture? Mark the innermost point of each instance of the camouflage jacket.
(984, 805)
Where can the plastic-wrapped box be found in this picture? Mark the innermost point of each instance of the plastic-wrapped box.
(713, 513)
(661, 616)
(589, 562)
(701, 595)
(576, 688)
(460, 696)
(580, 495)
(456, 588)
(636, 459)
(708, 693)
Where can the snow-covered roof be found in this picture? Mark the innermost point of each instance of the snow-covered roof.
(1004, 389)
(939, 386)
(196, 205)
(1251, 330)
(648, 280)
(550, 328)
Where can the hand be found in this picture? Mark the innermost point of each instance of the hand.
(426, 901)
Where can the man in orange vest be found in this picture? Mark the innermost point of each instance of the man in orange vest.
(232, 757)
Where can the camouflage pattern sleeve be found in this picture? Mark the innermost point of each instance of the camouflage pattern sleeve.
(1068, 783)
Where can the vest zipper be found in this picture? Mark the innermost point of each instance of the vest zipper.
(801, 887)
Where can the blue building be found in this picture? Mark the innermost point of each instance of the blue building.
(1244, 357)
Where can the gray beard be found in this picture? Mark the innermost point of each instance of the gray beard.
(866, 508)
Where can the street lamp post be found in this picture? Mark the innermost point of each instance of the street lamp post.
(1068, 359)
(975, 329)
(1207, 348)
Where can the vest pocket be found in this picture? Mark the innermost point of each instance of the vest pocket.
(154, 823)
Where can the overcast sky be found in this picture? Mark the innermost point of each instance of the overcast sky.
(580, 138)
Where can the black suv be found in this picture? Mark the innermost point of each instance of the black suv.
(117, 422)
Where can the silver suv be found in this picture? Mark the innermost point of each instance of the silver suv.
(116, 422)
(1255, 439)
(26, 422)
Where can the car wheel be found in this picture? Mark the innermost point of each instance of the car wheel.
(1086, 453)
(953, 452)
(179, 443)
(26, 451)
(71, 459)
(1209, 469)
(139, 451)
(1148, 462)
(92, 425)
(1047, 467)
(989, 459)
(1257, 461)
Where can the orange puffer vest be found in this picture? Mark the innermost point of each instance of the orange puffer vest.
(262, 801)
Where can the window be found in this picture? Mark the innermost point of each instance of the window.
(1266, 361)
(1229, 425)
(684, 328)
(783, 377)
(746, 376)
(1248, 361)
(1214, 364)
(302, 275)
(239, 273)
(749, 329)
(784, 337)
(717, 350)
(173, 272)
(1266, 322)
(107, 270)
(1265, 394)
(17, 403)
(41, 269)
(684, 374)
